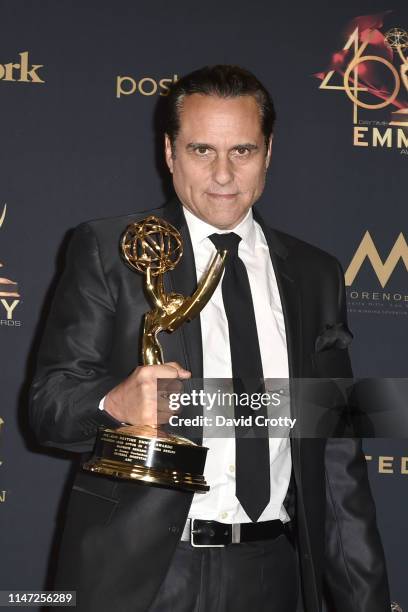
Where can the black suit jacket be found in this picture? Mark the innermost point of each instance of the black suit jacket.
(120, 536)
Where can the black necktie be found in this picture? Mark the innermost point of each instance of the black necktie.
(252, 453)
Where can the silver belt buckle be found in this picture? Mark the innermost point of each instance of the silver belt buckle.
(235, 533)
(201, 545)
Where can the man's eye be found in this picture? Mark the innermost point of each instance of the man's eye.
(201, 150)
(242, 151)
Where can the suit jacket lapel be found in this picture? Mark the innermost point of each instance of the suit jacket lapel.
(183, 280)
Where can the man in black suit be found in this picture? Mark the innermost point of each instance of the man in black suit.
(301, 527)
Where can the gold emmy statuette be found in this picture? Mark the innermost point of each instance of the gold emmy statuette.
(146, 453)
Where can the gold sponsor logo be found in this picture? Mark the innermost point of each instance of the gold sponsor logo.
(383, 270)
(389, 464)
(145, 86)
(21, 71)
(370, 57)
(365, 136)
(9, 294)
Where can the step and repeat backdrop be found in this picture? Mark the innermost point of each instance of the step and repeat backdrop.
(81, 86)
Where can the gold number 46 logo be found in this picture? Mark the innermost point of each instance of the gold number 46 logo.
(395, 39)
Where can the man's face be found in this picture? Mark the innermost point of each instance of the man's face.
(219, 159)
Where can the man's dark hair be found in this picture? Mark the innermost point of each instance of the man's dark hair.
(224, 81)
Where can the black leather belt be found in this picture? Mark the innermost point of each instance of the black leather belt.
(212, 533)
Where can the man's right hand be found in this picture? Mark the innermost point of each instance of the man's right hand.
(134, 400)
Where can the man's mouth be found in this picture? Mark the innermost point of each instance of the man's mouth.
(222, 196)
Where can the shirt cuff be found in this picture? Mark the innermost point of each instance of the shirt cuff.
(102, 403)
(102, 407)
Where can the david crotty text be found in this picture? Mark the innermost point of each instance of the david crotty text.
(222, 421)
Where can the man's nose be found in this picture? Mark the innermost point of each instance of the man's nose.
(222, 170)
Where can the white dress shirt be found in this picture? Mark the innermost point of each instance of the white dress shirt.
(220, 502)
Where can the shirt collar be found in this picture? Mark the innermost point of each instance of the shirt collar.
(200, 230)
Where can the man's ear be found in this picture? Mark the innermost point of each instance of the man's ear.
(268, 153)
(168, 152)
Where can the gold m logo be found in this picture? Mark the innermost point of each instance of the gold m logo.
(384, 270)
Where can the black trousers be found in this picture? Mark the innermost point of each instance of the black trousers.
(257, 576)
